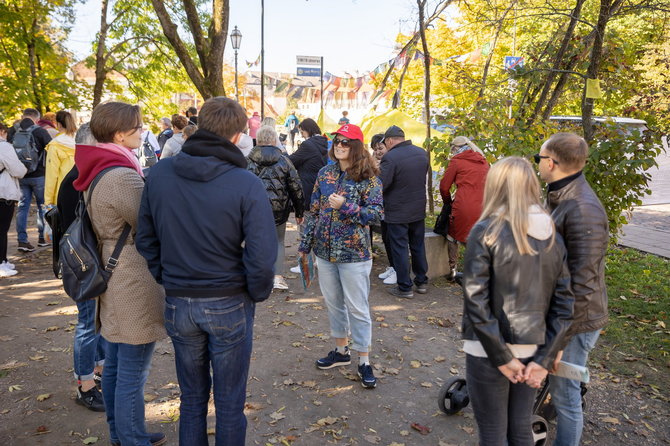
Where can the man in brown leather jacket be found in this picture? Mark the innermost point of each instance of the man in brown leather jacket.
(581, 219)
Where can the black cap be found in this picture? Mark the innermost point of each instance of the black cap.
(393, 132)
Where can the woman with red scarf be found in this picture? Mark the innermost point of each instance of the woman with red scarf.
(130, 312)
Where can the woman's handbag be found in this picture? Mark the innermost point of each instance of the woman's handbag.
(442, 221)
(85, 276)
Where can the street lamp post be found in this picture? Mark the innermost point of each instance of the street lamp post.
(236, 39)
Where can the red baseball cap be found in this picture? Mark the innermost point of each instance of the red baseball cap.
(350, 131)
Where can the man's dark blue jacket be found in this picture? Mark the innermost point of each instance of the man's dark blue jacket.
(205, 224)
(403, 175)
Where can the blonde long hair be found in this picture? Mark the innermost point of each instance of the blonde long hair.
(511, 189)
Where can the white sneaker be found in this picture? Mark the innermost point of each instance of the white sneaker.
(280, 283)
(392, 279)
(295, 269)
(387, 273)
(7, 265)
(5, 271)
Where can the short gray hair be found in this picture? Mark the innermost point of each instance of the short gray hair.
(266, 136)
(272, 122)
(84, 135)
(167, 122)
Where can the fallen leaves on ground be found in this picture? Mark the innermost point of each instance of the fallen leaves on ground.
(90, 440)
(423, 430)
(44, 396)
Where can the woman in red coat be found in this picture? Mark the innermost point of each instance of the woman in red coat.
(467, 170)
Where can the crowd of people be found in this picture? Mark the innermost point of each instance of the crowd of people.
(202, 242)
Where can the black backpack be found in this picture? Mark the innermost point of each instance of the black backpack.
(147, 155)
(85, 276)
(26, 148)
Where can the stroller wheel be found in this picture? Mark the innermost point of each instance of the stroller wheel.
(453, 396)
(540, 429)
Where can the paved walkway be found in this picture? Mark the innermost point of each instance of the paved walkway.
(649, 228)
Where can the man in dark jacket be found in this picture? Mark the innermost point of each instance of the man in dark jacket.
(32, 184)
(582, 222)
(403, 173)
(206, 228)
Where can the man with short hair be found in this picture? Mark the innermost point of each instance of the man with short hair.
(403, 173)
(32, 184)
(192, 115)
(166, 132)
(212, 246)
(582, 222)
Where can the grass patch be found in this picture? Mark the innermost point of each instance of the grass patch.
(636, 341)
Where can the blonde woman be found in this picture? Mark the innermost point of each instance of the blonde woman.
(518, 303)
(60, 156)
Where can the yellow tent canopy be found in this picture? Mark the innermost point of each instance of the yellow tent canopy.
(414, 130)
(326, 123)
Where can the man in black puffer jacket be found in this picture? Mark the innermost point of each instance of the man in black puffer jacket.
(283, 187)
(310, 157)
(582, 222)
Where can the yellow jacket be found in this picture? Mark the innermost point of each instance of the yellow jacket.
(60, 160)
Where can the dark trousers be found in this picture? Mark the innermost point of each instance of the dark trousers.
(6, 214)
(502, 410)
(400, 236)
(387, 245)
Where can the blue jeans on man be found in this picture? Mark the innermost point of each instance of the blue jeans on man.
(30, 187)
(400, 236)
(123, 379)
(216, 332)
(566, 394)
(89, 346)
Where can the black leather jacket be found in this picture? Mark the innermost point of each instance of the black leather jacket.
(280, 179)
(582, 222)
(516, 299)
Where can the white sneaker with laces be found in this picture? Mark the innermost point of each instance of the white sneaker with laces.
(6, 271)
(280, 283)
(295, 269)
(391, 279)
(387, 273)
(7, 265)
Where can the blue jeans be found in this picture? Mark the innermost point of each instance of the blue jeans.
(30, 187)
(126, 371)
(566, 394)
(401, 235)
(88, 345)
(502, 409)
(214, 331)
(346, 287)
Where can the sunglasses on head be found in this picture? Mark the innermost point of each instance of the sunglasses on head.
(343, 141)
(537, 157)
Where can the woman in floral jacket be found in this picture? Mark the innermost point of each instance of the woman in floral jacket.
(347, 197)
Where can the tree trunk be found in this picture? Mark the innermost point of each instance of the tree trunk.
(426, 98)
(485, 74)
(558, 59)
(100, 56)
(32, 64)
(607, 8)
(207, 74)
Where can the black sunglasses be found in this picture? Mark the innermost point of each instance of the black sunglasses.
(344, 141)
(537, 157)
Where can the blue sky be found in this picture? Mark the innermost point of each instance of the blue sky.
(351, 35)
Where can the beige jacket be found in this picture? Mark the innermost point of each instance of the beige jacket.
(131, 310)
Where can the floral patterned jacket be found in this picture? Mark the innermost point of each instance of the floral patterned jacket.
(342, 235)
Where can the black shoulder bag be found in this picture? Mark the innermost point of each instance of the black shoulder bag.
(442, 221)
(85, 276)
